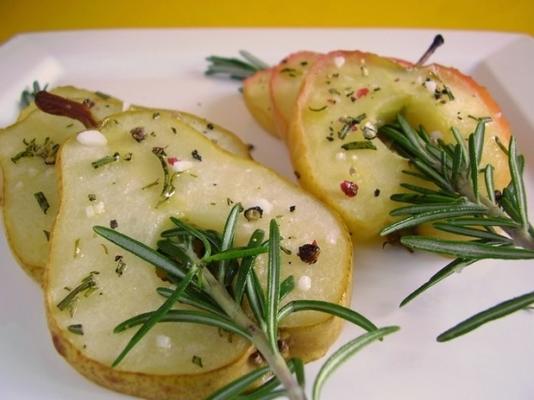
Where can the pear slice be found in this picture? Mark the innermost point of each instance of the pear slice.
(222, 137)
(347, 96)
(257, 96)
(124, 192)
(28, 226)
(285, 83)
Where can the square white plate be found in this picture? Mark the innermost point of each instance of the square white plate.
(165, 68)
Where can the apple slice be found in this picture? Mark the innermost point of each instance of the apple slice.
(286, 80)
(345, 99)
(127, 195)
(30, 176)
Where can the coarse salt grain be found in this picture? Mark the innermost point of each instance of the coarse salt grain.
(92, 138)
(100, 208)
(369, 130)
(339, 61)
(430, 85)
(89, 211)
(331, 237)
(341, 156)
(163, 342)
(436, 135)
(304, 283)
(181, 165)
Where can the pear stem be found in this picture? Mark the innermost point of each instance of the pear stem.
(436, 42)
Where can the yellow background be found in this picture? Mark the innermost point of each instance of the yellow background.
(38, 15)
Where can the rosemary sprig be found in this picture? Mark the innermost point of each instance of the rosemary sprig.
(191, 257)
(47, 151)
(28, 95)
(463, 204)
(235, 68)
(168, 189)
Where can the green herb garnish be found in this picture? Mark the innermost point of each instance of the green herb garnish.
(214, 277)
(197, 361)
(151, 184)
(86, 287)
(106, 160)
(497, 227)
(234, 67)
(42, 201)
(168, 177)
(47, 151)
(319, 109)
(120, 266)
(28, 95)
(359, 145)
(77, 329)
(102, 95)
(348, 124)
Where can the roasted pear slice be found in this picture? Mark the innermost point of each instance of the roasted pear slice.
(28, 226)
(286, 80)
(134, 194)
(222, 137)
(27, 157)
(257, 95)
(345, 99)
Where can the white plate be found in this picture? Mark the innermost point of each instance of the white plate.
(165, 68)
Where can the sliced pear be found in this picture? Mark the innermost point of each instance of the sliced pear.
(257, 97)
(222, 137)
(28, 226)
(286, 80)
(124, 192)
(348, 95)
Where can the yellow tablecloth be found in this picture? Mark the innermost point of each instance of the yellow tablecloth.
(37, 15)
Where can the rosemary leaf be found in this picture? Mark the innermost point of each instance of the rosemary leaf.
(443, 273)
(329, 308)
(344, 353)
(490, 185)
(466, 249)
(273, 285)
(238, 252)
(256, 298)
(246, 265)
(434, 215)
(359, 145)
(471, 232)
(517, 184)
(228, 238)
(158, 315)
(487, 221)
(500, 310)
(198, 300)
(425, 207)
(196, 233)
(189, 316)
(473, 166)
(287, 286)
(140, 250)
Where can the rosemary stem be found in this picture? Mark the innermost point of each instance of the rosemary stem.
(277, 363)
